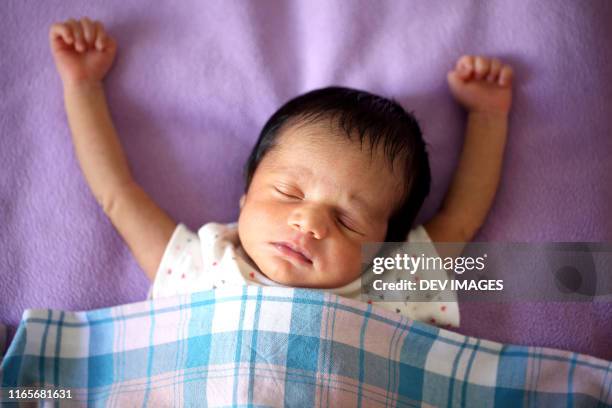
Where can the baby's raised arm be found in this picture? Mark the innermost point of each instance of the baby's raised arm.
(483, 86)
(83, 54)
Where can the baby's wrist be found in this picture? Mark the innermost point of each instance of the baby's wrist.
(81, 84)
(489, 115)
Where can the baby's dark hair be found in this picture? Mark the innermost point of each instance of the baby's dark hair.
(372, 118)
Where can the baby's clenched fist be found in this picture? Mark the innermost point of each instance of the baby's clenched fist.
(482, 84)
(82, 50)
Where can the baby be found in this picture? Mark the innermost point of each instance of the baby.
(332, 170)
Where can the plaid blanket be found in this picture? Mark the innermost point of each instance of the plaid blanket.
(252, 346)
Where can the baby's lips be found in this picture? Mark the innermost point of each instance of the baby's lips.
(289, 247)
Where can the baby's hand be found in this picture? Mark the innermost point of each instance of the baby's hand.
(82, 50)
(482, 84)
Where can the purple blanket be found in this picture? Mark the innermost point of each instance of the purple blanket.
(193, 84)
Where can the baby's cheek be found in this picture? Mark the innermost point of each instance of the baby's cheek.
(347, 263)
(266, 209)
(256, 212)
(250, 225)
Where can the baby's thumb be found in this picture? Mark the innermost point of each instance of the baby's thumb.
(110, 45)
(453, 78)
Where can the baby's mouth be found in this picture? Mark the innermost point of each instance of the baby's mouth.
(292, 252)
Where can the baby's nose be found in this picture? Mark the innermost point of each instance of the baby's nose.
(310, 221)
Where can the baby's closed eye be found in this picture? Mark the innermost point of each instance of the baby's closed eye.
(349, 224)
(341, 217)
(289, 193)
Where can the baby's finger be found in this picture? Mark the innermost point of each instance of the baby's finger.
(101, 36)
(77, 30)
(505, 76)
(59, 30)
(110, 45)
(482, 66)
(465, 66)
(88, 31)
(496, 66)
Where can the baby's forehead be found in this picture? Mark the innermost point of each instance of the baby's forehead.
(302, 139)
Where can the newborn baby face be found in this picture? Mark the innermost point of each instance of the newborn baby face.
(313, 201)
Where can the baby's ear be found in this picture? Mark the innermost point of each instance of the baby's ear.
(242, 200)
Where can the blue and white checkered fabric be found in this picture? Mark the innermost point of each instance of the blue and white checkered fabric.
(253, 346)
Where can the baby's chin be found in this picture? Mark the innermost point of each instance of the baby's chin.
(298, 278)
(288, 276)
